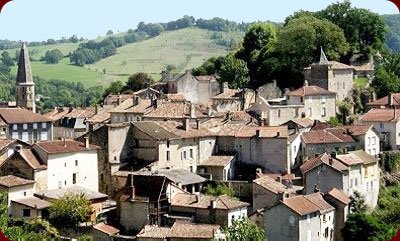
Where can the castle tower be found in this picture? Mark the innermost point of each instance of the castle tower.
(25, 87)
(321, 72)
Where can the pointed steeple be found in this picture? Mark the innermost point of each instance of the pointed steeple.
(24, 74)
(323, 60)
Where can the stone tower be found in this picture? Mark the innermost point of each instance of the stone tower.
(25, 87)
(321, 72)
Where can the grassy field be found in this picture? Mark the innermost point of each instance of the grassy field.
(361, 82)
(65, 71)
(185, 48)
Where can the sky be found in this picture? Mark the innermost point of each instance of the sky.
(37, 20)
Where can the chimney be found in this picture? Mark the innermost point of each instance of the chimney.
(196, 198)
(306, 83)
(390, 97)
(87, 145)
(259, 170)
(136, 100)
(330, 161)
(119, 100)
(278, 134)
(192, 111)
(209, 111)
(132, 192)
(198, 124)
(316, 189)
(333, 154)
(65, 141)
(282, 196)
(225, 87)
(279, 179)
(213, 204)
(186, 124)
(96, 109)
(18, 148)
(258, 133)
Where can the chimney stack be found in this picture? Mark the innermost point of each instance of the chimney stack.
(18, 148)
(333, 154)
(213, 204)
(186, 124)
(87, 145)
(192, 111)
(132, 192)
(136, 100)
(279, 179)
(96, 109)
(198, 124)
(65, 141)
(258, 133)
(390, 96)
(119, 100)
(330, 161)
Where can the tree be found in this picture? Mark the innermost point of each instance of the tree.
(344, 108)
(115, 87)
(387, 75)
(109, 32)
(6, 59)
(357, 203)
(243, 229)
(362, 226)
(219, 189)
(209, 67)
(70, 210)
(364, 30)
(53, 56)
(235, 72)
(259, 37)
(138, 81)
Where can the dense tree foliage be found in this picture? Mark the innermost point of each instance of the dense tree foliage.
(70, 210)
(390, 162)
(363, 226)
(53, 56)
(393, 33)
(243, 229)
(219, 189)
(220, 24)
(115, 87)
(209, 67)
(9, 44)
(387, 75)
(138, 81)
(6, 59)
(235, 72)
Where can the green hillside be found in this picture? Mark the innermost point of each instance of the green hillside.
(185, 48)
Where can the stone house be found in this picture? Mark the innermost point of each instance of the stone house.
(7, 148)
(300, 218)
(116, 99)
(30, 208)
(196, 89)
(72, 125)
(131, 110)
(387, 123)
(355, 171)
(25, 125)
(56, 164)
(182, 231)
(267, 192)
(233, 99)
(340, 139)
(101, 117)
(221, 210)
(332, 76)
(310, 102)
(340, 200)
(16, 188)
(269, 90)
(218, 168)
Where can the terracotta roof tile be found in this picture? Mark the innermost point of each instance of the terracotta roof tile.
(192, 132)
(103, 116)
(113, 99)
(381, 115)
(302, 122)
(339, 195)
(204, 201)
(229, 94)
(5, 143)
(176, 97)
(107, 229)
(144, 106)
(306, 204)
(310, 90)
(384, 101)
(33, 202)
(205, 78)
(349, 159)
(155, 232)
(265, 131)
(57, 113)
(81, 112)
(327, 136)
(155, 130)
(19, 116)
(270, 184)
(322, 159)
(14, 181)
(193, 230)
(54, 147)
(218, 161)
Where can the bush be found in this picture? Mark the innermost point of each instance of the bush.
(53, 56)
(219, 189)
(390, 161)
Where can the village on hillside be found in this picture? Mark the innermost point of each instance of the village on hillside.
(147, 161)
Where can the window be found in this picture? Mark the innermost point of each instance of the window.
(310, 112)
(25, 136)
(373, 140)
(355, 182)
(43, 136)
(184, 154)
(44, 125)
(74, 178)
(372, 184)
(351, 183)
(369, 141)
(381, 125)
(25, 126)
(24, 194)
(26, 212)
(294, 149)
(14, 135)
(367, 186)
(337, 85)
(279, 113)
(76, 163)
(15, 127)
(191, 168)
(34, 126)
(323, 99)
(191, 153)
(324, 218)
(168, 156)
(323, 111)
(168, 143)
(65, 164)
(301, 99)
(326, 233)
(65, 182)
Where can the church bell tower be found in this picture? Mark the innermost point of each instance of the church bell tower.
(25, 87)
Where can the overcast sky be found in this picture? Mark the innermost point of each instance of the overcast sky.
(33, 20)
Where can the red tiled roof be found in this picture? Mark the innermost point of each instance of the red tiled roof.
(176, 110)
(57, 113)
(384, 101)
(327, 136)
(105, 228)
(339, 195)
(203, 201)
(270, 184)
(81, 112)
(180, 230)
(322, 159)
(5, 143)
(31, 159)
(349, 159)
(19, 116)
(218, 161)
(306, 204)
(177, 128)
(229, 94)
(176, 97)
(265, 131)
(310, 90)
(54, 147)
(14, 181)
(381, 115)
